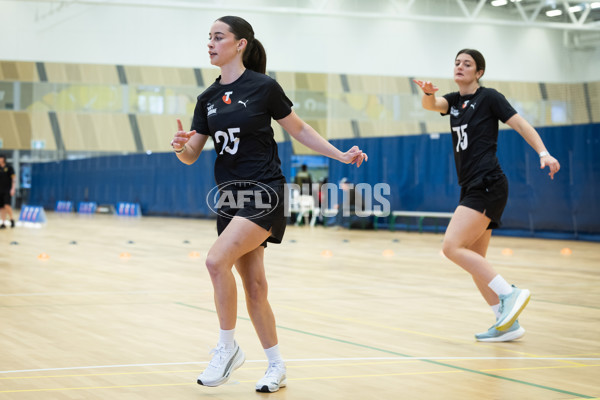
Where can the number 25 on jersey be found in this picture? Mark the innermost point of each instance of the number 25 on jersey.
(461, 132)
(227, 140)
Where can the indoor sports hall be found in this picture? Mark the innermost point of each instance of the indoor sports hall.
(104, 287)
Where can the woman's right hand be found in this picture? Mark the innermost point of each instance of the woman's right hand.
(181, 137)
(426, 86)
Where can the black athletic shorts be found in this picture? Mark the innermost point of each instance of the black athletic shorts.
(263, 204)
(489, 197)
(5, 199)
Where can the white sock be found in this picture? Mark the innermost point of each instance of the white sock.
(226, 338)
(496, 309)
(273, 354)
(500, 286)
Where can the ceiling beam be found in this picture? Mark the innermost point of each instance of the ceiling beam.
(323, 10)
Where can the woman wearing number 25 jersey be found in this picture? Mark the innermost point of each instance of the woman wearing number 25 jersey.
(236, 111)
(474, 114)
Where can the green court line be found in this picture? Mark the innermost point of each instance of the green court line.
(406, 355)
(566, 304)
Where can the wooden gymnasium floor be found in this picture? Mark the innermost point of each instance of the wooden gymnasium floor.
(122, 309)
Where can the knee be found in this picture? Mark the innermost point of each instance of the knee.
(256, 292)
(449, 249)
(214, 264)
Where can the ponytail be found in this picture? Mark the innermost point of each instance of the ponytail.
(255, 57)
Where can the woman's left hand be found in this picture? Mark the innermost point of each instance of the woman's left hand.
(551, 163)
(354, 156)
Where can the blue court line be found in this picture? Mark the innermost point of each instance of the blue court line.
(405, 355)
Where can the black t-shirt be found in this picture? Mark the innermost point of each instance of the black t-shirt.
(474, 123)
(238, 118)
(6, 177)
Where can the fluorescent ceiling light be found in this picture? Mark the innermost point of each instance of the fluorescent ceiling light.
(576, 8)
(595, 4)
(553, 13)
(497, 3)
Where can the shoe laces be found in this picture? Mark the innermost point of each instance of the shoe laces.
(219, 353)
(274, 371)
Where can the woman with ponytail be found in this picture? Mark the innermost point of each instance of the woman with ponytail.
(236, 111)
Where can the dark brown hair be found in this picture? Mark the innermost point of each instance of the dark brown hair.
(255, 56)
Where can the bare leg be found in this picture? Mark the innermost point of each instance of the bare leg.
(465, 243)
(240, 237)
(480, 247)
(252, 270)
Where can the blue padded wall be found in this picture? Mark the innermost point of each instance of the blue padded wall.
(420, 170)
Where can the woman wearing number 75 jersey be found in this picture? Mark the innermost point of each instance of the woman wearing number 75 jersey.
(236, 111)
(474, 114)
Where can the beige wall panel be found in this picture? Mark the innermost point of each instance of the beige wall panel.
(278, 132)
(166, 76)
(441, 126)
(9, 71)
(317, 82)
(96, 132)
(287, 80)
(388, 128)
(299, 148)
(209, 75)
(158, 130)
(519, 91)
(379, 84)
(23, 124)
(133, 74)
(579, 110)
(18, 128)
(42, 130)
(153, 76)
(594, 92)
(185, 76)
(18, 71)
(8, 130)
(113, 132)
(574, 95)
(27, 71)
(106, 74)
(334, 83)
(393, 128)
(72, 135)
(301, 81)
(337, 129)
(56, 72)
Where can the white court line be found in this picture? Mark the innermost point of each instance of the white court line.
(317, 359)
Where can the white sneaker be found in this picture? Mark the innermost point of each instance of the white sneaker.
(222, 364)
(273, 380)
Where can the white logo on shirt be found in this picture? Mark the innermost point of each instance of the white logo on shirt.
(243, 102)
(210, 109)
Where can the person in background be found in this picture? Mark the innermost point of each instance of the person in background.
(303, 177)
(474, 114)
(7, 191)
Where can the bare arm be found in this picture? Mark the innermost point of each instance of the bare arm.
(531, 136)
(188, 145)
(430, 101)
(306, 135)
